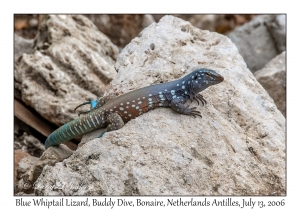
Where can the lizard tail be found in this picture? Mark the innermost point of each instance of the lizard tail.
(66, 132)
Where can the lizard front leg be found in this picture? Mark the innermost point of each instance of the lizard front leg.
(178, 106)
(115, 122)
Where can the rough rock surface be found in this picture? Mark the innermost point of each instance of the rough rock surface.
(21, 46)
(30, 168)
(277, 28)
(30, 144)
(121, 28)
(273, 78)
(18, 156)
(90, 136)
(260, 40)
(72, 61)
(237, 148)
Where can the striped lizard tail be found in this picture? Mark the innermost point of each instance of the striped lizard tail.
(72, 129)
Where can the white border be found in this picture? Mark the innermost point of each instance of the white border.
(149, 7)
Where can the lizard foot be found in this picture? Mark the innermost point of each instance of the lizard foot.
(194, 112)
(198, 98)
(101, 135)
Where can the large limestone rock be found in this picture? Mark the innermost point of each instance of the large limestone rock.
(277, 28)
(71, 61)
(22, 45)
(260, 40)
(237, 148)
(30, 167)
(273, 78)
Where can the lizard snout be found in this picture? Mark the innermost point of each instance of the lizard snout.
(220, 78)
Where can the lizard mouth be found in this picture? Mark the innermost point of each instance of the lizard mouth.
(217, 79)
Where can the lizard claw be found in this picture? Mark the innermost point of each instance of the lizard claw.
(195, 113)
(200, 97)
(197, 100)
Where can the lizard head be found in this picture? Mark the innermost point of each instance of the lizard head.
(203, 78)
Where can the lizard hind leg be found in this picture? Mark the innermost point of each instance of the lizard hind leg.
(115, 122)
(95, 103)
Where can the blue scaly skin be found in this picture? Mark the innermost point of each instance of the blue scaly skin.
(112, 112)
